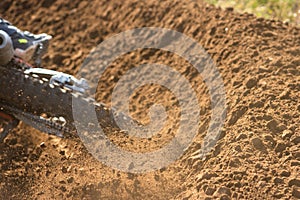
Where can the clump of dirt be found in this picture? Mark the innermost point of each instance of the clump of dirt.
(257, 155)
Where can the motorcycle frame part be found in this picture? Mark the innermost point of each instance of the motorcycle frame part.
(34, 96)
(61, 78)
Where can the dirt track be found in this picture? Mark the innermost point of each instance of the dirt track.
(258, 154)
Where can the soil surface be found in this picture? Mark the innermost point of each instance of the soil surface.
(257, 155)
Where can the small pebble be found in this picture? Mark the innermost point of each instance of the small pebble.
(280, 147)
(224, 190)
(278, 180)
(296, 192)
(295, 182)
(252, 82)
(258, 144)
(208, 175)
(285, 173)
(241, 136)
(210, 191)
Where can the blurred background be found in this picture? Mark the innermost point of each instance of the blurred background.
(285, 10)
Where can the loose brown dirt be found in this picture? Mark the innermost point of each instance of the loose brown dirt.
(258, 153)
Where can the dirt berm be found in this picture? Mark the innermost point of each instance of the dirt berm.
(258, 153)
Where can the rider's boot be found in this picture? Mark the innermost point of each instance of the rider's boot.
(27, 46)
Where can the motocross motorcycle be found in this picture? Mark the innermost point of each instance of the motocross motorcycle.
(42, 98)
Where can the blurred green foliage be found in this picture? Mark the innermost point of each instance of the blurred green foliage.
(285, 10)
